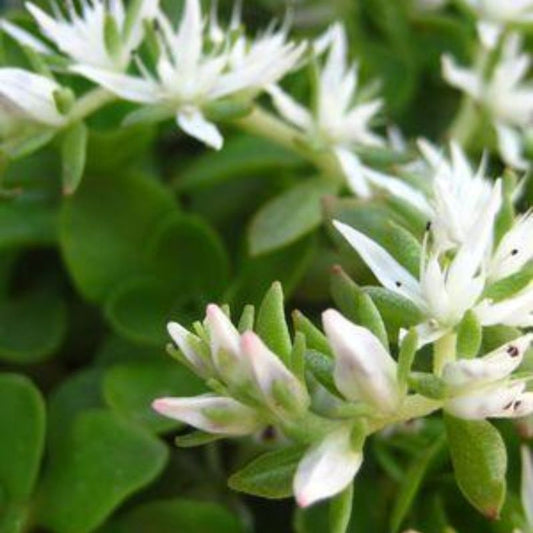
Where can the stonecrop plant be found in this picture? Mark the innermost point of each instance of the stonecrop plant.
(323, 210)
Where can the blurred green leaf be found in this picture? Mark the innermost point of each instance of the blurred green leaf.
(32, 326)
(270, 475)
(289, 216)
(22, 418)
(479, 461)
(106, 460)
(73, 155)
(469, 336)
(177, 516)
(130, 389)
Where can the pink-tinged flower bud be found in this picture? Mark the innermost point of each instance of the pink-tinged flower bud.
(282, 391)
(210, 413)
(364, 370)
(327, 468)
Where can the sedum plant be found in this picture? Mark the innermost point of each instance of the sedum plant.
(158, 156)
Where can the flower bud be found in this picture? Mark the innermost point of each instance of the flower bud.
(214, 414)
(283, 392)
(327, 468)
(363, 368)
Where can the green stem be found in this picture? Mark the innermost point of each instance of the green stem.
(263, 124)
(89, 103)
(465, 123)
(444, 351)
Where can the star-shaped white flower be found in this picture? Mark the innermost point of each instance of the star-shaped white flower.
(505, 95)
(337, 123)
(102, 34)
(194, 70)
(482, 387)
(458, 194)
(443, 294)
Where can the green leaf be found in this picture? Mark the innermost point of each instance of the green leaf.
(322, 368)
(242, 156)
(397, 311)
(411, 483)
(32, 326)
(27, 219)
(406, 357)
(73, 155)
(271, 324)
(340, 511)
(104, 460)
(479, 461)
(196, 438)
(510, 285)
(270, 475)
(130, 389)
(288, 217)
(102, 251)
(469, 336)
(22, 417)
(178, 516)
(314, 338)
(356, 305)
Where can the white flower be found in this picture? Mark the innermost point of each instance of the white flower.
(30, 95)
(505, 96)
(481, 387)
(527, 484)
(327, 468)
(190, 74)
(443, 295)
(515, 249)
(336, 123)
(282, 391)
(495, 14)
(458, 194)
(214, 414)
(101, 33)
(364, 370)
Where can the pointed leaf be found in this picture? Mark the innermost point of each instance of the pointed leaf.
(73, 155)
(480, 462)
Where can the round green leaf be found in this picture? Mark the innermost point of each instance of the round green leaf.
(130, 389)
(178, 516)
(104, 461)
(31, 326)
(22, 418)
(104, 229)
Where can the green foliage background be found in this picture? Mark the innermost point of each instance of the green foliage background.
(159, 227)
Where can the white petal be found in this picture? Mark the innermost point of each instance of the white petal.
(237, 418)
(31, 93)
(128, 87)
(24, 37)
(510, 143)
(489, 33)
(223, 334)
(492, 367)
(387, 270)
(270, 372)
(353, 171)
(515, 311)
(289, 108)
(194, 123)
(461, 78)
(400, 189)
(363, 368)
(181, 337)
(326, 469)
(527, 483)
(491, 402)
